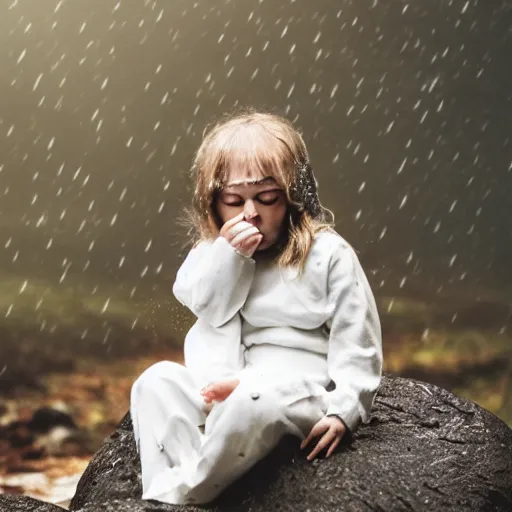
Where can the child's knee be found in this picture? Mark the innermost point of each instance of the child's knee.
(256, 402)
(152, 376)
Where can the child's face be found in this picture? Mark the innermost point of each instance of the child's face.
(261, 200)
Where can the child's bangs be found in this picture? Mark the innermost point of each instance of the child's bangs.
(260, 154)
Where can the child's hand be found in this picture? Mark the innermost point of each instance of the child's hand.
(332, 428)
(242, 235)
(219, 391)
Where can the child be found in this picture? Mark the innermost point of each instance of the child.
(283, 309)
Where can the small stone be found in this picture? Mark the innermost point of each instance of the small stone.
(255, 396)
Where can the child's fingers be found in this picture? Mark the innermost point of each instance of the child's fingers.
(226, 388)
(251, 242)
(238, 228)
(315, 431)
(207, 394)
(230, 223)
(253, 239)
(219, 391)
(245, 234)
(335, 443)
(327, 438)
(249, 246)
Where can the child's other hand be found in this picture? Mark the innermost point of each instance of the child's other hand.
(242, 235)
(332, 428)
(219, 391)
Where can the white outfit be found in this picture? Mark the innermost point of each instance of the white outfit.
(285, 336)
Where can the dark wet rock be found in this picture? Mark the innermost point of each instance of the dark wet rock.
(16, 503)
(136, 505)
(125, 423)
(424, 449)
(113, 473)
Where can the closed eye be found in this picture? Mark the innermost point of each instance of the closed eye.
(267, 201)
(269, 197)
(266, 198)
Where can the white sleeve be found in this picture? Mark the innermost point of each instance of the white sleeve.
(355, 341)
(214, 281)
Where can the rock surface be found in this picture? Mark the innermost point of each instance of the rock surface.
(15, 503)
(424, 449)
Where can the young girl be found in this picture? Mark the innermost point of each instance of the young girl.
(283, 310)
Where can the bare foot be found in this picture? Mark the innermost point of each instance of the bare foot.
(219, 391)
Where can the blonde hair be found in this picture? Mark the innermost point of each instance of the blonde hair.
(271, 145)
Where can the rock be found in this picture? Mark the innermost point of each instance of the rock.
(424, 449)
(126, 423)
(113, 473)
(16, 503)
(137, 505)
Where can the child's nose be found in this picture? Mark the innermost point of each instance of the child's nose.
(250, 210)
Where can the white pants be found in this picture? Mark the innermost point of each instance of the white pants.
(182, 465)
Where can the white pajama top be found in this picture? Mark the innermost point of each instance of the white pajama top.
(255, 318)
